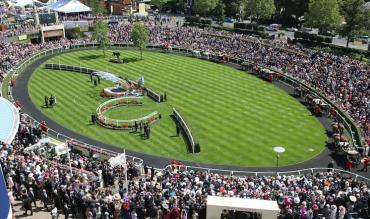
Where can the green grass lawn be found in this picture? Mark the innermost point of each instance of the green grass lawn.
(236, 117)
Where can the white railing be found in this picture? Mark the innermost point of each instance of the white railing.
(23, 64)
(186, 129)
(270, 173)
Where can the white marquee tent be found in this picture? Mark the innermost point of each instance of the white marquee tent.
(69, 6)
(216, 204)
(22, 3)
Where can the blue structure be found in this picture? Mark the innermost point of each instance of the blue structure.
(5, 208)
(9, 121)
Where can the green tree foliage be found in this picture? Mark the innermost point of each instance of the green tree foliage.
(159, 3)
(232, 7)
(290, 11)
(140, 36)
(357, 19)
(100, 34)
(97, 6)
(323, 14)
(259, 9)
(219, 12)
(203, 7)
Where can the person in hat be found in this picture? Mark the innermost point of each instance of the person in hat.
(366, 164)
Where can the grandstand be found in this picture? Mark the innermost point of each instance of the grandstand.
(52, 169)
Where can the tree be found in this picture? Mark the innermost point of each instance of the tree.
(290, 11)
(232, 7)
(323, 14)
(100, 34)
(140, 36)
(219, 12)
(357, 19)
(203, 7)
(97, 6)
(159, 3)
(259, 9)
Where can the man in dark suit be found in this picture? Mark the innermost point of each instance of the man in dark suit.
(44, 198)
(27, 204)
(32, 197)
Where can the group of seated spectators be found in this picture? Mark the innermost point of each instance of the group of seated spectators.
(96, 190)
(27, 27)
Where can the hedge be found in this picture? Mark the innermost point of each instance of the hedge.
(252, 32)
(313, 37)
(197, 21)
(249, 26)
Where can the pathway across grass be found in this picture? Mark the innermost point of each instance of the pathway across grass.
(236, 117)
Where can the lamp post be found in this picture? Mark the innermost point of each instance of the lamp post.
(278, 150)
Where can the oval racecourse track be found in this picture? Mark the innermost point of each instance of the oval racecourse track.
(21, 93)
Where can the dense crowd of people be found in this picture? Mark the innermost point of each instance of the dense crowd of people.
(28, 27)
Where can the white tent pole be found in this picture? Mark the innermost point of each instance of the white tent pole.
(126, 183)
(69, 161)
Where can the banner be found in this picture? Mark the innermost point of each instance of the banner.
(118, 160)
(61, 149)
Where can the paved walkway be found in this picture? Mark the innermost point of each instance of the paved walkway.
(20, 93)
(38, 212)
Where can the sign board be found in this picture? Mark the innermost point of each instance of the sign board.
(22, 37)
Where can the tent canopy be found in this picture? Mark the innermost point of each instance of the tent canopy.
(22, 3)
(216, 204)
(69, 6)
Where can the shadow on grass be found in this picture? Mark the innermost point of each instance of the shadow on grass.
(46, 107)
(90, 57)
(131, 59)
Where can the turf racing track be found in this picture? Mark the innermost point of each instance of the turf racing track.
(21, 94)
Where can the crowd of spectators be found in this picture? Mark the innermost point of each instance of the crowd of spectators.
(27, 27)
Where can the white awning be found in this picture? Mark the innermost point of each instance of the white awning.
(22, 3)
(69, 6)
(216, 204)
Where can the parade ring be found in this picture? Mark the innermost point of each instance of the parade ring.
(107, 122)
(22, 95)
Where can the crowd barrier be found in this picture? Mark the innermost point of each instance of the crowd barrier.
(194, 146)
(155, 96)
(352, 129)
(107, 122)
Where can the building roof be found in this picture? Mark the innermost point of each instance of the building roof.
(69, 6)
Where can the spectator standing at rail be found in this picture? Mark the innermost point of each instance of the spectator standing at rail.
(349, 165)
(366, 164)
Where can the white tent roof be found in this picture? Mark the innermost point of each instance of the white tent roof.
(69, 6)
(216, 204)
(22, 3)
(367, 5)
